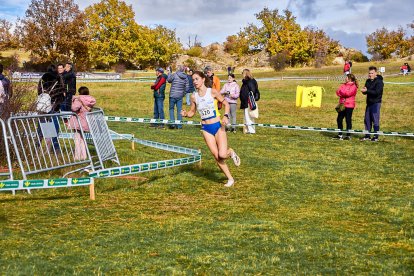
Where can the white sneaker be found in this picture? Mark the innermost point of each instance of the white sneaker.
(229, 183)
(235, 157)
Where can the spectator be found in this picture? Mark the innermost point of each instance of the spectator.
(346, 93)
(69, 79)
(179, 86)
(249, 84)
(228, 70)
(373, 89)
(214, 79)
(404, 69)
(231, 92)
(212, 129)
(5, 90)
(347, 68)
(52, 84)
(81, 105)
(191, 86)
(159, 95)
(208, 71)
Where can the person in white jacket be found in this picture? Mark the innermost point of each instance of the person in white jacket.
(231, 92)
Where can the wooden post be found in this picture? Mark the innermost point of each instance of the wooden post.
(92, 190)
(133, 145)
(199, 163)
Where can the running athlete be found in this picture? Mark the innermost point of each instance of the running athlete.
(213, 130)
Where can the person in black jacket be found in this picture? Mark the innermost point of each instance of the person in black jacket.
(249, 84)
(69, 79)
(52, 83)
(373, 89)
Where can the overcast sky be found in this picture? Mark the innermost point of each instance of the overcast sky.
(212, 21)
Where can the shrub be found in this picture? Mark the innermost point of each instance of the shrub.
(279, 61)
(195, 51)
(358, 57)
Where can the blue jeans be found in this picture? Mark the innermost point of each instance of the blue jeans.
(187, 98)
(159, 109)
(179, 103)
(372, 117)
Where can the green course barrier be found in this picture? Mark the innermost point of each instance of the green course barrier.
(13, 185)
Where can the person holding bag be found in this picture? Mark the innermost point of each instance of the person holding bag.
(249, 95)
(346, 93)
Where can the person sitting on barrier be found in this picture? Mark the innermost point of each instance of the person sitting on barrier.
(346, 93)
(213, 130)
(81, 105)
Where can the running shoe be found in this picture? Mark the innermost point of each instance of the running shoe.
(235, 157)
(230, 183)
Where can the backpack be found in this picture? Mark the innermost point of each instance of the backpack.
(44, 101)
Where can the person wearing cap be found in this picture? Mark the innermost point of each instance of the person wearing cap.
(179, 86)
(159, 95)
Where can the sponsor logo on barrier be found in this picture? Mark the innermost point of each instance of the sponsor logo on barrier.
(57, 182)
(9, 185)
(115, 172)
(80, 181)
(153, 166)
(170, 163)
(33, 183)
(135, 168)
(161, 165)
(125, 170)
(144, 167)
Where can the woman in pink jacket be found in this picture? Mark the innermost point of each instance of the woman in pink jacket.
(81, 105)
(231, 92)
(346, 93)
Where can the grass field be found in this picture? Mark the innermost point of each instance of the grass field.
(302, 203)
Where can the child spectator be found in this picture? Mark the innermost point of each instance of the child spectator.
(81, 105)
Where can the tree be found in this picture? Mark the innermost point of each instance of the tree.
(384, 43)
(321, 45)
(112, 31)
(7, 39)
(53, 31)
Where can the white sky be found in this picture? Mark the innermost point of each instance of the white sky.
(214, 20)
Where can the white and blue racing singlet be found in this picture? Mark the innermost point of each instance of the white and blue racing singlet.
(205, 105)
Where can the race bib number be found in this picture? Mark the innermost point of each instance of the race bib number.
(206, 113)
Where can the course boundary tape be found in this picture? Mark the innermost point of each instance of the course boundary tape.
(275, 126)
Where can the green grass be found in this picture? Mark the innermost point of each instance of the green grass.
(302, 203)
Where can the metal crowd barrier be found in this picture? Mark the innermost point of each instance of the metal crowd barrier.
(9, 173)
(101, 137)
(39, 148)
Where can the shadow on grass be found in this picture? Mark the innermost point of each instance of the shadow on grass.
(206, 173)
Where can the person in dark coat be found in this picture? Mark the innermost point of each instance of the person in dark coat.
(69, 79)
(249, 84)
(52, 83)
